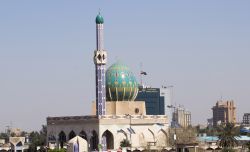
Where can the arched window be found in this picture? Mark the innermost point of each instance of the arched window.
(109, 138)
(94, 141)
(72, 134)
(83, 135)
(62, 138)
(162, 138)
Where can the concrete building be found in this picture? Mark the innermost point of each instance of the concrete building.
(154, 101)
(167, 93)
(115, 115)
(181, 117)
(224, 112)
(246, 119)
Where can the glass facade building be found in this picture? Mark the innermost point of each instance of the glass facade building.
(154, 102)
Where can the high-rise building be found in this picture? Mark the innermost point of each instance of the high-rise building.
(167, 93)
(154, 102)
(100, 59)
(246, 118)
(181, 117)
(224, 112)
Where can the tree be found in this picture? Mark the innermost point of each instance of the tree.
(38, 139)
(183, 135)
(125, 143)
(227, 136)
(4, 136)
(43, 135)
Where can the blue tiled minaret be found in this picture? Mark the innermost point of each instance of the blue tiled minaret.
(100, 59)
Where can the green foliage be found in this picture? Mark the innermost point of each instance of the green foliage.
(125, 143)
(56, 150)
(227, 136)
(100, 146)
(38, 139)
(3, 135)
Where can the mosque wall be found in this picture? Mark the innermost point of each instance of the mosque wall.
(144, 131)
(123, 107)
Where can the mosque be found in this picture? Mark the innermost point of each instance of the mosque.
(115, 115)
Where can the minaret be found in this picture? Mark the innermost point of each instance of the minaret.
(100, 59)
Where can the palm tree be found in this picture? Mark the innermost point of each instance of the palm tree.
(227, 136)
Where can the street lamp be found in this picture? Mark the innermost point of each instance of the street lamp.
(130, 130)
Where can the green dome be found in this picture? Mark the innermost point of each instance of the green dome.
(99, 19)
(121, 84)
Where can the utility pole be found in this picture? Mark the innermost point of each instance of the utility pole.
(8, 130)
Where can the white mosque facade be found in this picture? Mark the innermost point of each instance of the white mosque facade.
(115, 115)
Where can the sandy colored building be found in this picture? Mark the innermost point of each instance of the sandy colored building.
(181, 117)
(224, 112)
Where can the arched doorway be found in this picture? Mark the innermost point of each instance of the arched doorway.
(153, 135)
(108, 138)
(62, 139)
(142, 140)
(94, 141)
(72, 134)
(162, 138)
(83, 135)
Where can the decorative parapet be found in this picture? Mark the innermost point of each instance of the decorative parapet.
(133, 117)
(51, 120)
(105, 118)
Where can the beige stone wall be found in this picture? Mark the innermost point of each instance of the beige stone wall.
(147, 128)
(123, 107)
(75, 123)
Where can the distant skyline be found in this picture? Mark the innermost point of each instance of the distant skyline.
(202, 48)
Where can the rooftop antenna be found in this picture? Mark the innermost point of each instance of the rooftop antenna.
(141, 65)
(8, 129)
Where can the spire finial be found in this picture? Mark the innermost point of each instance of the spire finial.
(99, 18)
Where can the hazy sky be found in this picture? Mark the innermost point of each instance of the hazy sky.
(202, 48)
